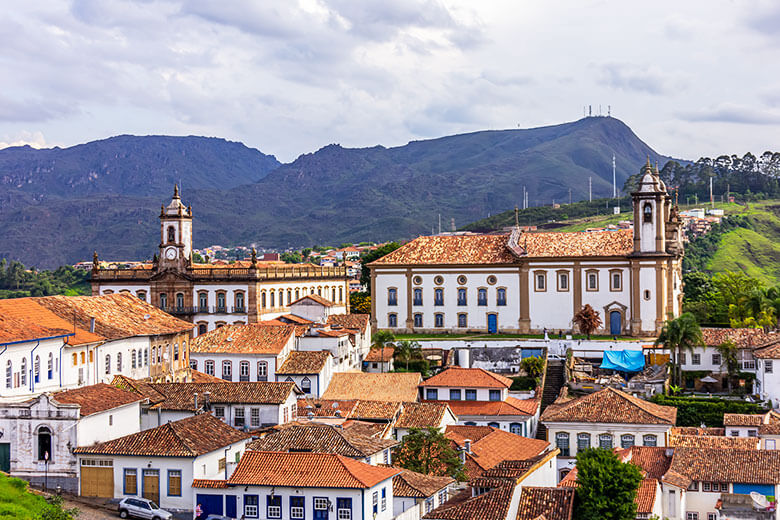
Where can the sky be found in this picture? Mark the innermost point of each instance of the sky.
(692, 78)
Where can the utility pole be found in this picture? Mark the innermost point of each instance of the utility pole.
(712, 200)
(440, 223)
(569, 195)
(614, 182)
(590, 189)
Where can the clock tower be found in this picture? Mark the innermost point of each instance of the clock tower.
(175, 234)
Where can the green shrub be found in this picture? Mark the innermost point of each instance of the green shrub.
(693, 411)
(524, 383)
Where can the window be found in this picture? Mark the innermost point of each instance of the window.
(44, 443)
(387, 456)
(9, 371)
(690, 515)
(262, 299)
(37, 369)
(133, 359)
(392, 296)
(516, 428)
(243, 371)
(163, 300)
(320, 504)
(455, 394)
(583, 441)
(463, 320)
(108, 363)
(438, 320)
(768, 366)
(647, 294)
(171, 234)
(716, 359)
(392, 320)
(694, 486)
(462, 300)
(50, 366)
(375, 502)
(442, 496)
(119, 362)
(219, 412)
(417, 296)
(227, 370)
(562, 443)
(174, 482)
(438, 296)
(179, 300)
(306, 385)
(712, 516)
(770, 444)
(24, 372)
(262, 371)
(682, 358)
(501, 297)
(696, 359)
(418, 320)
(438, 280)
(563, 281)
(482, 297)
(541, 281)
(194, 364)
(495, 395)
(471, 394)
(626, 441)
(734, 433)
(432, 394)
(130, 486)
(605, 441)
(647, 211)
(238, 418)
(296, 508)
(649, 440)
(593, 280)
(141, 295)
(343, 509)
(209, 367)
(83, 357)
(251, 506)
(706, 487)
(146, 357)
(752, 433)
(254, 417)
(220, 302)
(616, 281)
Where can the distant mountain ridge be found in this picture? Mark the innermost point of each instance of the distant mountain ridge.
(333, 195)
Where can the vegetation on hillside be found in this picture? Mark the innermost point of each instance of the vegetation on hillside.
(731, 299)
(19, 503)
(16, 281)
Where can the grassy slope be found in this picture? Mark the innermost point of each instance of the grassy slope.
(16, 502)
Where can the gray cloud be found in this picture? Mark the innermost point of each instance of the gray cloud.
(33, 110)
(624, 76)
(731, 113)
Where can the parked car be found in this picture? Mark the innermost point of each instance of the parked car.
(142, 508)
(217, 517)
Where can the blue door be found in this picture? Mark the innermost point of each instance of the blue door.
(210, 504)
(320, 508)
(492, 324)
(230, 506)
(615, 325)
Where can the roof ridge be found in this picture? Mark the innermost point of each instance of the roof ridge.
(179, 437)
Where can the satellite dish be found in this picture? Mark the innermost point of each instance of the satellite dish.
(229, 338)
(334, 405)
(147, 316)
(759, 500)
(310, 415)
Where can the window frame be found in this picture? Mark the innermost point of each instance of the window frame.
(561, 276)
(494, 393)
(468, 392)
(649, 436)
(482, 302)
(392, 320)
(392, 296)
(418, 319)
(583, 436)
(227, 375)
(126, 473)
(438, 320)
(612, 286)
(562, 442)
(456, 394)
(463, 320)
(271, 502)
(301, 504)
(501, 301)
(431, 392)
(540, 274)
(438, 297)
(417, 297)
(606, 436)
(588, 274)
(172, 473)
(464, 301)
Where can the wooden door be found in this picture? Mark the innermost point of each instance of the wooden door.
(97, 481)
(151, 485)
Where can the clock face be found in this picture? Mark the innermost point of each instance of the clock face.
(170, 253)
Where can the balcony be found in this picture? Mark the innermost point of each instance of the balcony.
(230, 273)
(178, 311)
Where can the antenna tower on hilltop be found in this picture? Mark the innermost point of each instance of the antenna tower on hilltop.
(614, 180)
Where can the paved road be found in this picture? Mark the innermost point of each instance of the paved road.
(88, 512)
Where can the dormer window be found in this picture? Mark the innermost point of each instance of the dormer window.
(647, 211)
(171, 234)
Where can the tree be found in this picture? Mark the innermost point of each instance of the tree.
(533, 366)
(428, 451)
(376, 254)
(697, 285)
(606, 486)
(588, 320)
(729, 359)
(360, 303)
(406, 350)
(54, 510)
(678, 335)
(380, 340)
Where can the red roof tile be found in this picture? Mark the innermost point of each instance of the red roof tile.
(508, 407)
(645, 495)
(396, 386)
(181, 396)
(25, 319)
(456, 249)
(495, 447)
(549, 502)
(596, 243)
(493, 505)
(357, 322)
(719, 465)
(202, 483)
(742, 338)
(609, 406)
(321, 438)
(314, 298)
(375, 355)
(325, 407)
(247, 339)
(417, 485)
(467, 377)
(422, 415)
(742, 419)
(304, 362)
(97, 398)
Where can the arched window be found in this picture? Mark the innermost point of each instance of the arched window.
(194, 364)
(175, 351)
(202, 328)
(418, 320)
(108, 363)
(50, 366)
(119, 362)
(341, 294)
(271, 296)
(154, 354)
(24, 372)
(297, 294)
(227, 370)
(583, 441)
(469, 423)
(289, 296)
(605, 441)
(647, 211)
(44, 443)
(179, 300)
(132, 359)
(626, 441)
(9, 373)
(37, 369)
(75, 359)
(209, 367)
(240, 302)
(141, 295)
(220, 302)
(482, 297)
(163, 300)
(438, 296)
(83, 357)
(562, 443)
(203, 301)
(649, 440)
(171, 234)
(281, 298)
(262, 371)
(501, 296)
(262, 299)
(306, 385)
(417, 296)
(243, 371)
(392, 320)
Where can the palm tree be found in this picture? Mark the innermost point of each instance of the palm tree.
(588, 320)
(382, 339)
(407, 350)
(729, 359)
(678, 335)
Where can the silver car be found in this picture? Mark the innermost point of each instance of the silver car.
(142, 508)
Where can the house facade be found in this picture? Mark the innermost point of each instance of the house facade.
(310, 371)
(531, 282)
(211, 296)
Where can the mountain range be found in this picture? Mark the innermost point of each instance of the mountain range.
(58, 205)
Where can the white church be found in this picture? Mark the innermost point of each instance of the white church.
(526, 282)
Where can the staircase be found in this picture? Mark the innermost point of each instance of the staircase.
(553, 382)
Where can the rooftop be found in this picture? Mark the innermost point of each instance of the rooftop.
(357, 322)
(181, 396)
(252, 338)
(422, 415)
(510, 406)
(190, 437)
(491, 446)
(313, 298)
(24, 319)
(96, 398)
(742, 338)
(471, 377)
(488, 506)
(547, 502)
(417, 485)
(375, 387)
(321, 438)
(719, 465)
(609, 406)
(742, 419)
(376, 355)
(769, 350)
(304, 362)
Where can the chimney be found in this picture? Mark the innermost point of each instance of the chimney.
(206, 405)
(467, 445)
(92, 325)
(196, 401)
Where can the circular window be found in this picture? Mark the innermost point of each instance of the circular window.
(438, 280)
(462, 280)
(491, 280)
(417, 280)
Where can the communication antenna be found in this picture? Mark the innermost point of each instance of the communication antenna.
(590, 110)
(584, 111)
(440, 223)
(609, 110)
(452, 224)
(599, 110)
(569, 195)
(590, 189)
(712, 200)
(614, 181)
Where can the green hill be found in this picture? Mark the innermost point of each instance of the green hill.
(18, 503)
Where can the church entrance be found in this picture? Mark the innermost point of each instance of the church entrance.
(615, 323)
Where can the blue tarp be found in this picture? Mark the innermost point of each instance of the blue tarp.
(623, 360)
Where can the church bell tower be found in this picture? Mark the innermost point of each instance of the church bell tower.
(175, 234)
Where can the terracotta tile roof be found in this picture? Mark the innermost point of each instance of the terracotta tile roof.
(456, 250)
(304, 362)
(116, 315)
(382, 410)
(417, 485)
(595, 243)
(321, 438)
(397, 386)
(316, 299)
(549, 502)
(202, 483)
(494, 447)
(771, 424)
(718, 465)
(196, 376)
(742, 419)
(695, 430)
(97, 398)
(329, 333)
(711, 441)
(295, 319)
(422, 415)
(25, 319)
(570, 480)
(246, 339)
(493, 505)
(467, 377)
(380, 430)
(460, 432)
(645, 495)
(769, 350)
(325, 408)
(375, 355)
(357, 322)
(264, 468)
(509, 407)
(742, 338)
(141, 387)
(188, 437)
(609, 406)
(653, 460)
(181, 396)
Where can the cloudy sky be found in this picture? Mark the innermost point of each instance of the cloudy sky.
(692, 78)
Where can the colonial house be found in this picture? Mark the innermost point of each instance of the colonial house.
(337, 341)
(37, 435)
(395, 386)
(415, 494)
(161, 463)
(210, 295)
(359, 327)
(379, 360)
(311, 371)
(607, 419)
(481, 398)
(528, 282)
(762, 429)
(278, 485)
(767, 385)
(314, 308)
(436, 415)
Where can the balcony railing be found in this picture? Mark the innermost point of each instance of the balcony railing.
(216, 309)
(240, 273)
